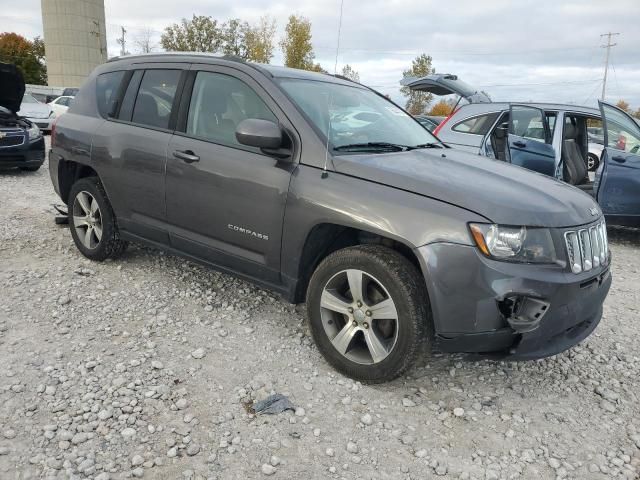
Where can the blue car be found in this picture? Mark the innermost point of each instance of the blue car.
(551, 139)
(617, 182)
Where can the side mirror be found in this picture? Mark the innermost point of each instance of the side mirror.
(255, 132)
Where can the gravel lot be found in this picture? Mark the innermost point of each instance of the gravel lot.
(140, 368)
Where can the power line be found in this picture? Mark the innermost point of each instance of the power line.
(606, 64)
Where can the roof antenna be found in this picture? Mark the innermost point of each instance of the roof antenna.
(325, 174)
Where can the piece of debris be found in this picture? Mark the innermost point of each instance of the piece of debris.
(272, 405)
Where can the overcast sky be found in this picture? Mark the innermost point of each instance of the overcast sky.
(524, 50)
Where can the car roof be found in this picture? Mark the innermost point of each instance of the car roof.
(479, 108)
(272, 71)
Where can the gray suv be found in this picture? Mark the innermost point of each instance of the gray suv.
(397, 243)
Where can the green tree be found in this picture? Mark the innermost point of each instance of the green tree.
(417, 102)
(350, 73)
(296, 45)
(27, 55)
(233, 37)
(200, 34)
(258, 40)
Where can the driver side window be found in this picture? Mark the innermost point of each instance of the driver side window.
(219, 103)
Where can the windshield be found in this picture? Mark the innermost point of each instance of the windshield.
(29, 99)
(354, 115)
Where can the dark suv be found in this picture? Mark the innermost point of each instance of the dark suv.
(279, 176)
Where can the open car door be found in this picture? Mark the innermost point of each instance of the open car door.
(445, 84)
(617, 182)
(529, 143)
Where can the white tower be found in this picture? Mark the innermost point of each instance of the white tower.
(75, 39)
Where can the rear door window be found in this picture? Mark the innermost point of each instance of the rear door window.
(479, 125)
(154, 101)
(107, 86)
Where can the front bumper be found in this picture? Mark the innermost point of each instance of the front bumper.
(30, 154)
(43, 123)
(468, 293)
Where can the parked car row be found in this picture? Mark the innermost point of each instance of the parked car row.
(551, 139)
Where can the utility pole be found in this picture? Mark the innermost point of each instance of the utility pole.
(606, 65)
(122, 42)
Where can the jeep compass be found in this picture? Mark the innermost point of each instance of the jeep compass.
(324, 191)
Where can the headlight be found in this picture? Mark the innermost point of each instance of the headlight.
(34, 132)
(514, 244)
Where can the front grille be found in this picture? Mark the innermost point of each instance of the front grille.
(11, 141)
(587, 248)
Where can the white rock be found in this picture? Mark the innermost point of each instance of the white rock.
(366, 419)
(352, 447)
(407, 402)
(157, 364)
(198, 353)
(458, 412)
(268, 469)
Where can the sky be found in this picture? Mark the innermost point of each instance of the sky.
(517, 51)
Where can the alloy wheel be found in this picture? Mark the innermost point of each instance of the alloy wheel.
(87, 220)
(359, 316)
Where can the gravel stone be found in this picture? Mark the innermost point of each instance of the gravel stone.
(268, 469)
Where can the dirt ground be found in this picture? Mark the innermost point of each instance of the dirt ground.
(140, 367)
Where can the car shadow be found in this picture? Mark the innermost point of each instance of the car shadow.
(624, 235)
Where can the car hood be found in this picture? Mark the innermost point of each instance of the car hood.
(11, 87)
(35, 110)
(498, 191)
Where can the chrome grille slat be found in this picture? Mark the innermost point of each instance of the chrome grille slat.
(587, 248)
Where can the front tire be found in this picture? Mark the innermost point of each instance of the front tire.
(368, 312)
(92, 221)
(593, 162)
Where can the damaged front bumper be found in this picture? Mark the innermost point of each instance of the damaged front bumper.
(509, 310)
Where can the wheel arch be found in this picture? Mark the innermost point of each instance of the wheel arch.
(70, 172)
(326, 238)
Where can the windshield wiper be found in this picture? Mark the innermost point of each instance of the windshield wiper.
(375, 146)
(429, 145)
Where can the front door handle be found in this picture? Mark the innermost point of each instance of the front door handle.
(519, 143)
(619, 158)
(186, 156)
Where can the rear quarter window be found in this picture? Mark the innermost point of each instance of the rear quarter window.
(478, 125)
(107, 86)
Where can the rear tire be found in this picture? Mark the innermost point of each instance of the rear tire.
(92, 222)
(361, 338)
(593, 162)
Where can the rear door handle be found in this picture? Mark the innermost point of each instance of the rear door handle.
(186, 156)
(520, 144)
(619, 158)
